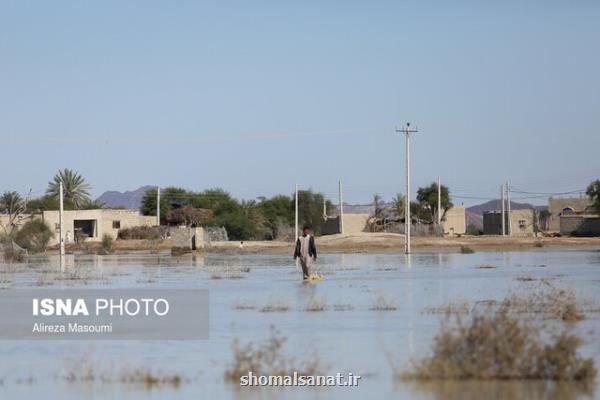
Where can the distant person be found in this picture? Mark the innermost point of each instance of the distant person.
(306, 251)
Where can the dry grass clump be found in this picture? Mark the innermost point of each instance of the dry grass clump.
(228, 272)
(526, 278)
(452, 307)
(384, 304)
(343, 307)
(276, 306)
(499, 346)
(485, 266)
(547, 301)
(14, 255)
(316, 305)
(466, 250)
(267, 358)
(90, 371)
(242, 305)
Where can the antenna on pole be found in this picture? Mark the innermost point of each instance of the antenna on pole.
(407, 130)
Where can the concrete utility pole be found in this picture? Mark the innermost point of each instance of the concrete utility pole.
(503, 214)
(439, 206)
(508, 208)
(158, 205)
(407, 221)
(61, 231)
(341, 206)
(296, 207)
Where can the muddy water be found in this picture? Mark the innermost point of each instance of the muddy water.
(359, 340)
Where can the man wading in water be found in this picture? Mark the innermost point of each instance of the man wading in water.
(306, 250)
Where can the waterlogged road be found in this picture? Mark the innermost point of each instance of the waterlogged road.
(348, 336)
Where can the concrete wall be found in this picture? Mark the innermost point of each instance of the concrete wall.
(522, 222)
(192, 238)
(455, 221)
(580, 225)
(557, 205)
(330, 226)
(107, 221)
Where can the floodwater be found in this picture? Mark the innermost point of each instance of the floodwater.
(360, 340)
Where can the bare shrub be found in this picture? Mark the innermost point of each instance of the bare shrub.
(267, 358)
(14, 253)
(142, 232)
(547, 301)
(496, 345)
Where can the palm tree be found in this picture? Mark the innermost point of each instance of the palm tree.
(399, 204)
(75, 189)
(12, 204)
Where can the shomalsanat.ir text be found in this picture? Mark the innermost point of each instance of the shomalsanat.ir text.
(296, 379)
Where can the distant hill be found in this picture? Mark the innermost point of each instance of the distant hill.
(475, 213)
(129, 199)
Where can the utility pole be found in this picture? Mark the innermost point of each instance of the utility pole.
(439, 205)
(502, 191)
(61, 222)
(158, 205)
(296, 208)
(407, 221)
(341, 206)
(508, 208)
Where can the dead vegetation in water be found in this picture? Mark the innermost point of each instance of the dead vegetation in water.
(276, 306)
(86, 370)
(545, 301)
(497, 345)
(227, 272)
(486, 266)
(383, 303)
(461, 306)
(316, 304)
(240, 305)
(268, 358)
(343, 307)
(466, 250)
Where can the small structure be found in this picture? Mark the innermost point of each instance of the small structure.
(580, 225)
(185, 238)
(522, 221)
(455, 221)
(91, 225)
(559, 206)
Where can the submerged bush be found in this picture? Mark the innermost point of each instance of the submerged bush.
(34, 236)
(499, 346)
(107, 244)
(267, 358)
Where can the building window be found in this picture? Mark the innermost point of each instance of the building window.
(522, 224)
(116, 224)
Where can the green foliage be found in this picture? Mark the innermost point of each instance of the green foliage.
(107, 244)
(11, 203)
(428, 199)
(277, 211)
(310, 209)
(46, 203)
(34, 236)
(170, 197)
(398, 204)
(473, 230)
(75, 189)
(593, 191)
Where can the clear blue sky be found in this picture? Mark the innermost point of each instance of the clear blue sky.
(252, 96)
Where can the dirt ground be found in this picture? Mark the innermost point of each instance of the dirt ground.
(359, 243)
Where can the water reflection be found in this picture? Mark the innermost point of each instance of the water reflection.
(499, 390)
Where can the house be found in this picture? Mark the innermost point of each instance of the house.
(93, 224)
(559, 206)
(580, 224)
(522, 221)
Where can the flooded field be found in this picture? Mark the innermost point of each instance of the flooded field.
(370, 315)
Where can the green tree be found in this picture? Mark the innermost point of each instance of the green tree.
(34, 236)
(593, 192)
(12, 204)
(310, 209)
(278, 212)
(170, 198)
(428, 198)
(398, 204)
(46, 203)
(75, 189)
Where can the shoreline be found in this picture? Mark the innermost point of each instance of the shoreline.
(357, 243)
